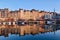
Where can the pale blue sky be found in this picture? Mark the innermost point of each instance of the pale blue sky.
(47, 5)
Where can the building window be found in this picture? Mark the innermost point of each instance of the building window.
(46, 16)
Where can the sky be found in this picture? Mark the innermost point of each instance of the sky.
(46, 5)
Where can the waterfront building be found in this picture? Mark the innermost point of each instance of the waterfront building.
(26, 15)
(57, 16)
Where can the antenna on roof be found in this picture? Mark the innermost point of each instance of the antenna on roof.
(54, 10)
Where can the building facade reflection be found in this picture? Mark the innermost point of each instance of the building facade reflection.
(34, 29)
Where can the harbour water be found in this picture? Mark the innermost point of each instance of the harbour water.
(52, 32)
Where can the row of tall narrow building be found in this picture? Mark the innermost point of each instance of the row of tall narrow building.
(25, 14)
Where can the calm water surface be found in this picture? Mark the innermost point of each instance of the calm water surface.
(55, 35)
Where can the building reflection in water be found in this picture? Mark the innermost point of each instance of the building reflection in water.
(28, 29)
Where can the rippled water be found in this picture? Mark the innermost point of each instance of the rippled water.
(40, 36)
